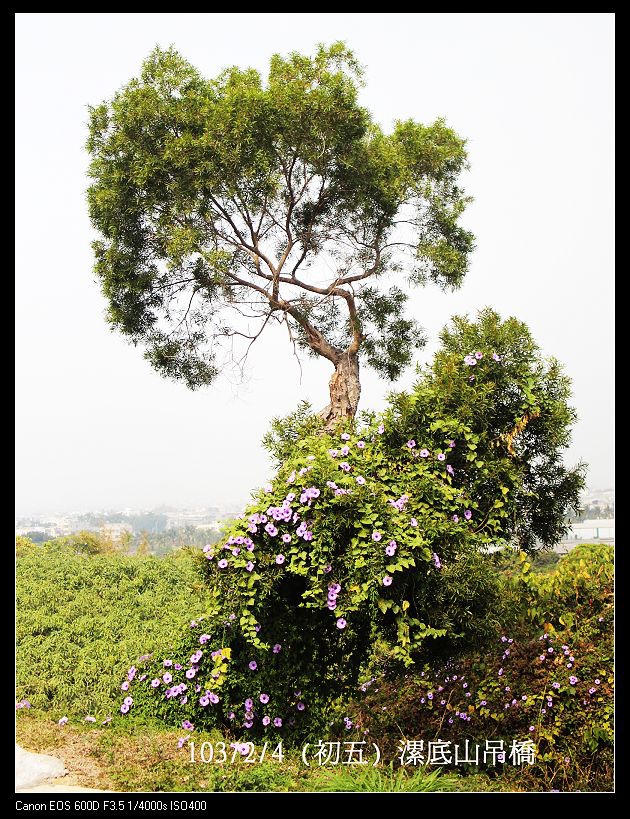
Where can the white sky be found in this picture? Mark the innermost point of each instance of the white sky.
(533, 94)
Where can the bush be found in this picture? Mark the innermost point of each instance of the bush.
(550, 679)
(80, 619)
(378, 530)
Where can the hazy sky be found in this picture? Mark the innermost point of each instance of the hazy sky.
(532, 93)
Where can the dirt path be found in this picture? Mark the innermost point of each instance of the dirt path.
(68, 769)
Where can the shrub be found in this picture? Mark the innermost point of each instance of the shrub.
(80, 619)
(549, 680)
(379, 530)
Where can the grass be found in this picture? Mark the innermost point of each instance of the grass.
(145, 758)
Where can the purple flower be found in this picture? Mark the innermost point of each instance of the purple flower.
(478, 355)
(573, 680)
(550, 650)
(345, 436)
(264, 698)
(204, 701)
(470, 360)
(279, 559)
(271, 529)
(277, 722)
(387, 580)
(155, 683)
(424, 453)
(124, 686)
(496, 357)
(345, 466)
(333, 452)
(456, 518)
(277, 648)
(190, 673)
(390, 549)
(468, 514)
(483, 702)
(167, 677)
(341, 623)
(592, 690)
(376, 536)
(128, 704)
(542, 657)
(597, 682)
(286, 538)
(300, 706)
(531, 728)
(555, 685)
(436, 561)
(222, 563)
(124, 708)
(213, 698)
(187, 725)
(249, 566)
(361, 444)
(569, 665)
(360, 480)
(266, 720)
(441, 456)
(413, 522)
(253, 665)
(381, 429)
(411, 444)
(168, 663)
(64, 720)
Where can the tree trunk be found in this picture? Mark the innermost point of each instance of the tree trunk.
(345, 390)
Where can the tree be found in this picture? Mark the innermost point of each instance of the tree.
(228, 205)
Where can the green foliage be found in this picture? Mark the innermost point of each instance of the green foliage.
(386, 779)
(512, 421)
(87, 543)
(216, 196)
(24, 545)
(383, 530)
(549, 678)
(285, 433)
(81, 619)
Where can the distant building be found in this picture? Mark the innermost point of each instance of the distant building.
(599, 529)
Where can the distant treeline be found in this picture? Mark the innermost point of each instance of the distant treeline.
(104, 542)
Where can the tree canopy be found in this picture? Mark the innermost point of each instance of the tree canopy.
(227, 204)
